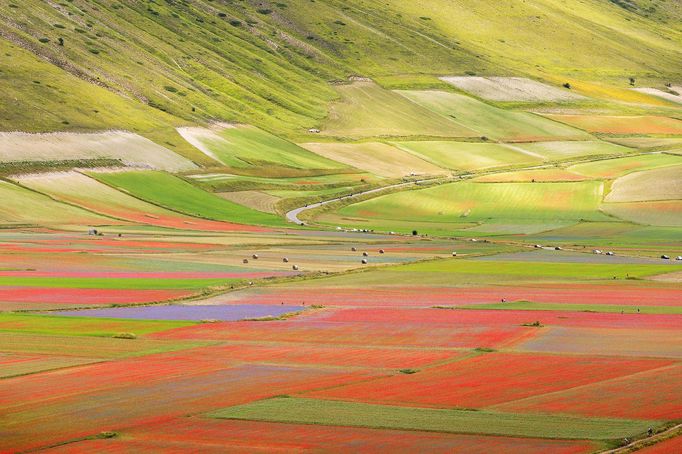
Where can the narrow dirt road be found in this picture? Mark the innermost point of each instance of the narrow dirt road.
(292, 216)
(644, 442)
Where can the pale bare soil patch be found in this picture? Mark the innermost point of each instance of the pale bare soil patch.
(132, 149)
(663, 94)
(511, 89)
(253, 199)
(657, 184)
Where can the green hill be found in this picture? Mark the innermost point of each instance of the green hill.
(149, 65)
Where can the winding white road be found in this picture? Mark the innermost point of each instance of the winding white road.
(292, 216)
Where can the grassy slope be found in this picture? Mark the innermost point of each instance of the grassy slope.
(208, 60)
(311, 411)
(171, 192)
(491, 121)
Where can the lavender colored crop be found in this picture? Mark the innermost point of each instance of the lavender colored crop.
(183, 312)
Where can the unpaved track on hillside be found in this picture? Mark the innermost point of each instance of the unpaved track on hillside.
(292, 216)
(644, 442)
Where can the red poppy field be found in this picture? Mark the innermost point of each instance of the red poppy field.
(335, 330)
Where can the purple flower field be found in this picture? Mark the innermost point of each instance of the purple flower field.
(181, 312)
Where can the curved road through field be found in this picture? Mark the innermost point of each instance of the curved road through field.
(292, 216)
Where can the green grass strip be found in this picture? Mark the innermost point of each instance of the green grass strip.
(336, 413)
(539, 269)
(530, 306)
(112, 283)
(82, 326)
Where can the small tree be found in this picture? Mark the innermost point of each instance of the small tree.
(567, 85)
(414, 233)
(632, 81)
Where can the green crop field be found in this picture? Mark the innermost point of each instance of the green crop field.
(80, 326)
(614, 168)
(367, 110)
(311, 411)
(114, 283)
(21, 206)
(466, 202)
(555, 151)
(535, 270)
(468, 156)
(87, 346)
(176, 194)
(247, 146)
(490, 121)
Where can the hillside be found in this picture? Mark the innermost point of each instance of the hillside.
(148, 66)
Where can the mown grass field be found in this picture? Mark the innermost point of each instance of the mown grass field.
(310, 411)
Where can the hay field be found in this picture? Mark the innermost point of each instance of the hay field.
(511, 89)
